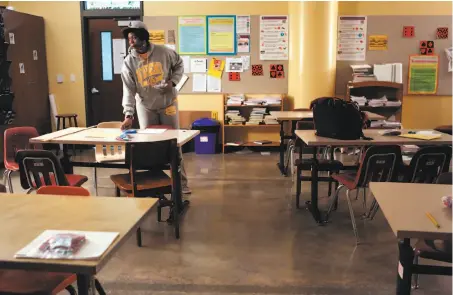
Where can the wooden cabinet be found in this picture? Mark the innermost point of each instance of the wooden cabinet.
(376, 90)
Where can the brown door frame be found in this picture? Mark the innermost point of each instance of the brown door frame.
(85, 15)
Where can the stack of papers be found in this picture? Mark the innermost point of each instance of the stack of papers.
(360, 100)
(362, 69)
(235, 100)
(393, 103)
(233, 117)
(264, 101)
(378, 102)
(269, 120)
(257, 116)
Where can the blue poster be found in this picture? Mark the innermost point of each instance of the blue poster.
(192, 35)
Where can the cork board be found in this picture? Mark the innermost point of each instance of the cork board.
(399, 47)
(248, 84)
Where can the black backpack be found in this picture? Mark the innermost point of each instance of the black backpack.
(337, 118)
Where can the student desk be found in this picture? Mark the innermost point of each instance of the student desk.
(405, 205)
(107, 136)
(293, 117)
(309, 139)
(24, 217)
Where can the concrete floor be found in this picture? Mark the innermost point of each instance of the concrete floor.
(243, 235)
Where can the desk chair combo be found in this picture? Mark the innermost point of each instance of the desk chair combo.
(21, 282)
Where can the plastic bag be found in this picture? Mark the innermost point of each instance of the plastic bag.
(61, 246)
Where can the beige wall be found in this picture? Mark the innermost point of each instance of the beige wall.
(64, 51)
(63, 30)
(418, 111)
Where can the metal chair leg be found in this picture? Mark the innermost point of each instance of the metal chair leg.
(375, 210)
(10, 181)
(99, 287)
(29, 191)
(95, 180)
(333, 201)
(351, 212)
(139, 237)
(329, 193)
(71, 290)
(291, 157)
(415, 276)
(364, 198)
(357, 192)
(298, 185)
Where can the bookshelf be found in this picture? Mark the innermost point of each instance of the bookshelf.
(245, 134)
(377, 89)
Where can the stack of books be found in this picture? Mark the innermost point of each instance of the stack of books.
(257, 116)
(269, 120)
(270, 100)
(378, 102)
(362, 73)
(233, 117)
(393, 103)
(235, 100)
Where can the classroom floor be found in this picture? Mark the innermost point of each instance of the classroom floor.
(243, 235)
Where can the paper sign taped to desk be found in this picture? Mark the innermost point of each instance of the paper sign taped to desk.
(151, 131)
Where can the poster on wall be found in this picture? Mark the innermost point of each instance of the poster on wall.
(243, 43)
(377, 42)
(423, 74)
(351, 38)
(243, 24)
(221, 34)
(192, 35)
(274, 37)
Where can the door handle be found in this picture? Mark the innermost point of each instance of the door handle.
(94, 91)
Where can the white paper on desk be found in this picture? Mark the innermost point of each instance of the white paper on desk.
(96, 244)
(198, 65)
(214, 84)
(199, 82)
(234, 65)
(181, 82)
(186, 62)
(151, 131)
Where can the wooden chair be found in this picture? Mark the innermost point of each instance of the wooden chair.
(430, 249)
(379, 164)
(107, 153)
(15, 139)
(41, 168)
(24, 282)
(153, 182)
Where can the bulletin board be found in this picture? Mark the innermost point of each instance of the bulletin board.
(400, 48)
(248, 84)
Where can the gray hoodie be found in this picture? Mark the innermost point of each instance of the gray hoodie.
(141, 71)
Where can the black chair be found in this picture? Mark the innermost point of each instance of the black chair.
(427, 164)
(379, 164)
(324, 165)
(430, 249)
(153, 158)
(38, 168)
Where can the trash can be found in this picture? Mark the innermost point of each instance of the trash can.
(206, 141)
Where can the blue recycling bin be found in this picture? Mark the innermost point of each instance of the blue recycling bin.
(206, 141)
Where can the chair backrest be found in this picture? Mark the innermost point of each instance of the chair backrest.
(152, 155)
(38, 168)
(428, 163)
(63, 191)
(106, 153)
(445, 178)
(379, 164)
(18, 138)
(113, 124)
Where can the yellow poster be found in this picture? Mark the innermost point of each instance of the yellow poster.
(221, 34)
(157, 37)
(216, 67)
(377, 42)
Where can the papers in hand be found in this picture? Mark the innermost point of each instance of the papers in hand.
(96, 244)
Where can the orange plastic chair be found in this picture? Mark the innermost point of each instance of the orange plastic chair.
(63, 191)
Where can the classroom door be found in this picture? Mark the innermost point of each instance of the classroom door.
(106, 49)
